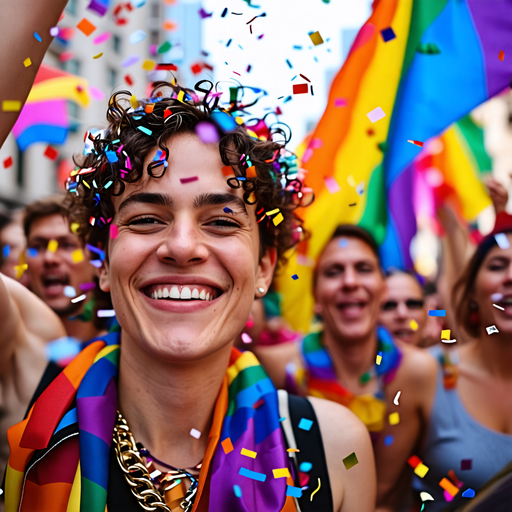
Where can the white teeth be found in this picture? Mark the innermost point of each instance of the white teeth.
(175, 293)
(185, 293)
(208, 296)
(155, 295)
(160, 293)
(165, 293)
(195, 293)
(202, 295)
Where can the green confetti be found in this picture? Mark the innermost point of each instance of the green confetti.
(350, 461)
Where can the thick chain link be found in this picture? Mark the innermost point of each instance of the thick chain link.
(137, 475)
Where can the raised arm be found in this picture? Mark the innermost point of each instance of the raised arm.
(19, 20)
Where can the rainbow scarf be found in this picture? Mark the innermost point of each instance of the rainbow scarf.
(73, 476)
(318, 378)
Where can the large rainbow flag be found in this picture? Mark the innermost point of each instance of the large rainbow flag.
(425, 64)
(44, 117)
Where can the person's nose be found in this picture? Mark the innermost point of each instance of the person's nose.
(183, 243)
(51, 257)
(350, 278)
(402, 311)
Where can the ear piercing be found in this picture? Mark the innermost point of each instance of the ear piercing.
(261, 290)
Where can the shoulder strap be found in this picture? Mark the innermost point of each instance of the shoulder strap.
(311, 447)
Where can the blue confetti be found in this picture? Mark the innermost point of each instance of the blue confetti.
(305, 466)
(282, 419)
(137, 36)
(436, 312)
(227, 210)
(305, 424)
(32, 252)
(252, 474)
(387, 34)
(294, 492)
(468, 493)
(145, 130)
(6, 250)
(111, 156)
(343, 242)
(237, 491)
(388, 440)
(289, 64)
(295, 277)
(37, 36)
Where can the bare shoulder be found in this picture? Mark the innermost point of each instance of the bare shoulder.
(418, 367)
(274, 359)
(344, 435)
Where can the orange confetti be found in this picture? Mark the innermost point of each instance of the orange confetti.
(149, 108)
(501, 55)
(227, 445)
(170, 25)
(448, 486)
(86, 27)
(227, 170)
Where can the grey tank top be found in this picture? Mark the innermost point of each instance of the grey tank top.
(453, 436)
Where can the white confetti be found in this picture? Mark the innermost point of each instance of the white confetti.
(195, 433)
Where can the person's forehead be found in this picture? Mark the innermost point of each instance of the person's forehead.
(348, 250)
(51, 226)
(403, 284)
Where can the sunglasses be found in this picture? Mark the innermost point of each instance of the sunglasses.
(391, 305)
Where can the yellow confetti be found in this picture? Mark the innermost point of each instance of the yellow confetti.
(316, 38)
(74, 227)
(378, 359)
(271, 212)
(27, 62)
(394, 418)
(133, 101)
(278, 219)
(414, 325)
(181, 95)
(53, 245)
(77, 256)
(281, 473)
(445, 334)
(421, 470)
(148, 65)
(98, 56)
(248, 453)
(290, 450)
(316, 490)
(20, 269)
(11, 105)
(351, 181)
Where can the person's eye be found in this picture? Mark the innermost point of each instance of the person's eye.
(331, 272)
(365, 269)
(144, 220)
(223, 223)
(496, 267)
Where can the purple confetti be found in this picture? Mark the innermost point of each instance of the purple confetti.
(130, 61)
(189, 180)
(207, 132)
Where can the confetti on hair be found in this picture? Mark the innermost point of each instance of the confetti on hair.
(145, 130)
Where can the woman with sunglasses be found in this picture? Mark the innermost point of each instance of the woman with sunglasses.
(403, 311)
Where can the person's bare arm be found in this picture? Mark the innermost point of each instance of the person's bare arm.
(353, 490)
(19, 20)
(22, 314)
(416, 379)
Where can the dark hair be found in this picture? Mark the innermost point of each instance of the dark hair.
(267, 175)
(461, 293)
(352, 231)
(393, 271)
(52, 205)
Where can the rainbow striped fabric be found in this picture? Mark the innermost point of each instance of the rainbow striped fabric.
(44, 117)
(73, 474)
(425, 64)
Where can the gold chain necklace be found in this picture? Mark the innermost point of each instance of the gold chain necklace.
(137, 475)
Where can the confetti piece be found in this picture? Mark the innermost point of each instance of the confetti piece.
(448, 487)
(388, 440)
(294, 492)
(37, 36)
(20, 269)
(502, 241)
(155, 473)
(77, 256)
(69, 291)
(387, 34)
(260, 477)
(376, 114)
(145, 130)
(378, 358)
(331, 184)
(501, 55)
(498, 307)
(258, 403)
(128, 79)
(316, 490)
(414, 325)
(54, 31)
(101, 38)
(8, 162)
(195, 433)
(130, 61)
(436, 312)
(87, 286)
(189, 180)
(51, 153)
(278, 219)
(394, 418)
(414, 461)
(74, 227)
(113, 231)
(237, 491)
(340, 102)
(164, 47)
(300, 88)
(466, 464)
(137, 36)
(98, 56)
(350, 461)
(281, 473)
(421, 470)
(207, 132)
(148, 65)
(248, 453)
(227, 445)
(27, 62)
(11, 105)
(86, 27)
(316, 38)
(79, 299)
(397, 396)
(305, 424)
(246, 338)
(170, 25)
(53, 246)
(109, 313)
(6, 250)
(343, 243)
(468, 493)
(416, 143)
(425, 496)
(445, 334)
(305, 467)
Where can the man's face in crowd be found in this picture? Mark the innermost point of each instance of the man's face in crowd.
(50, 270)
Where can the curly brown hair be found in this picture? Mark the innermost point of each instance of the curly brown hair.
(261, 166)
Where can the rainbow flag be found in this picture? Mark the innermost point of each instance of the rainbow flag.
(44, 117)
(423, 64)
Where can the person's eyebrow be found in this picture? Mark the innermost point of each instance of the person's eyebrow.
(146, 198)
(212, 199)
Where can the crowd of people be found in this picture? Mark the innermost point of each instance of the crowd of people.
(381, 406)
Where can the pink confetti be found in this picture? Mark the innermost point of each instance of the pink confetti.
(307, 154)
(96, 93)
(102, 38)
(207, 132)
(87, 286)
(331, 184)
(54, 31)
(246, 338)
(316, 143)
(113, 231)
(65, 56)
(376, 114)
(189, 180)
(340, 102)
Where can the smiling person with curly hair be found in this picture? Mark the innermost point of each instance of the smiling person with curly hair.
(190, 211)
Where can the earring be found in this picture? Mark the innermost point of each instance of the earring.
(474, 315)
(261, 290)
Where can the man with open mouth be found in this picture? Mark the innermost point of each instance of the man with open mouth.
(194, 210)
